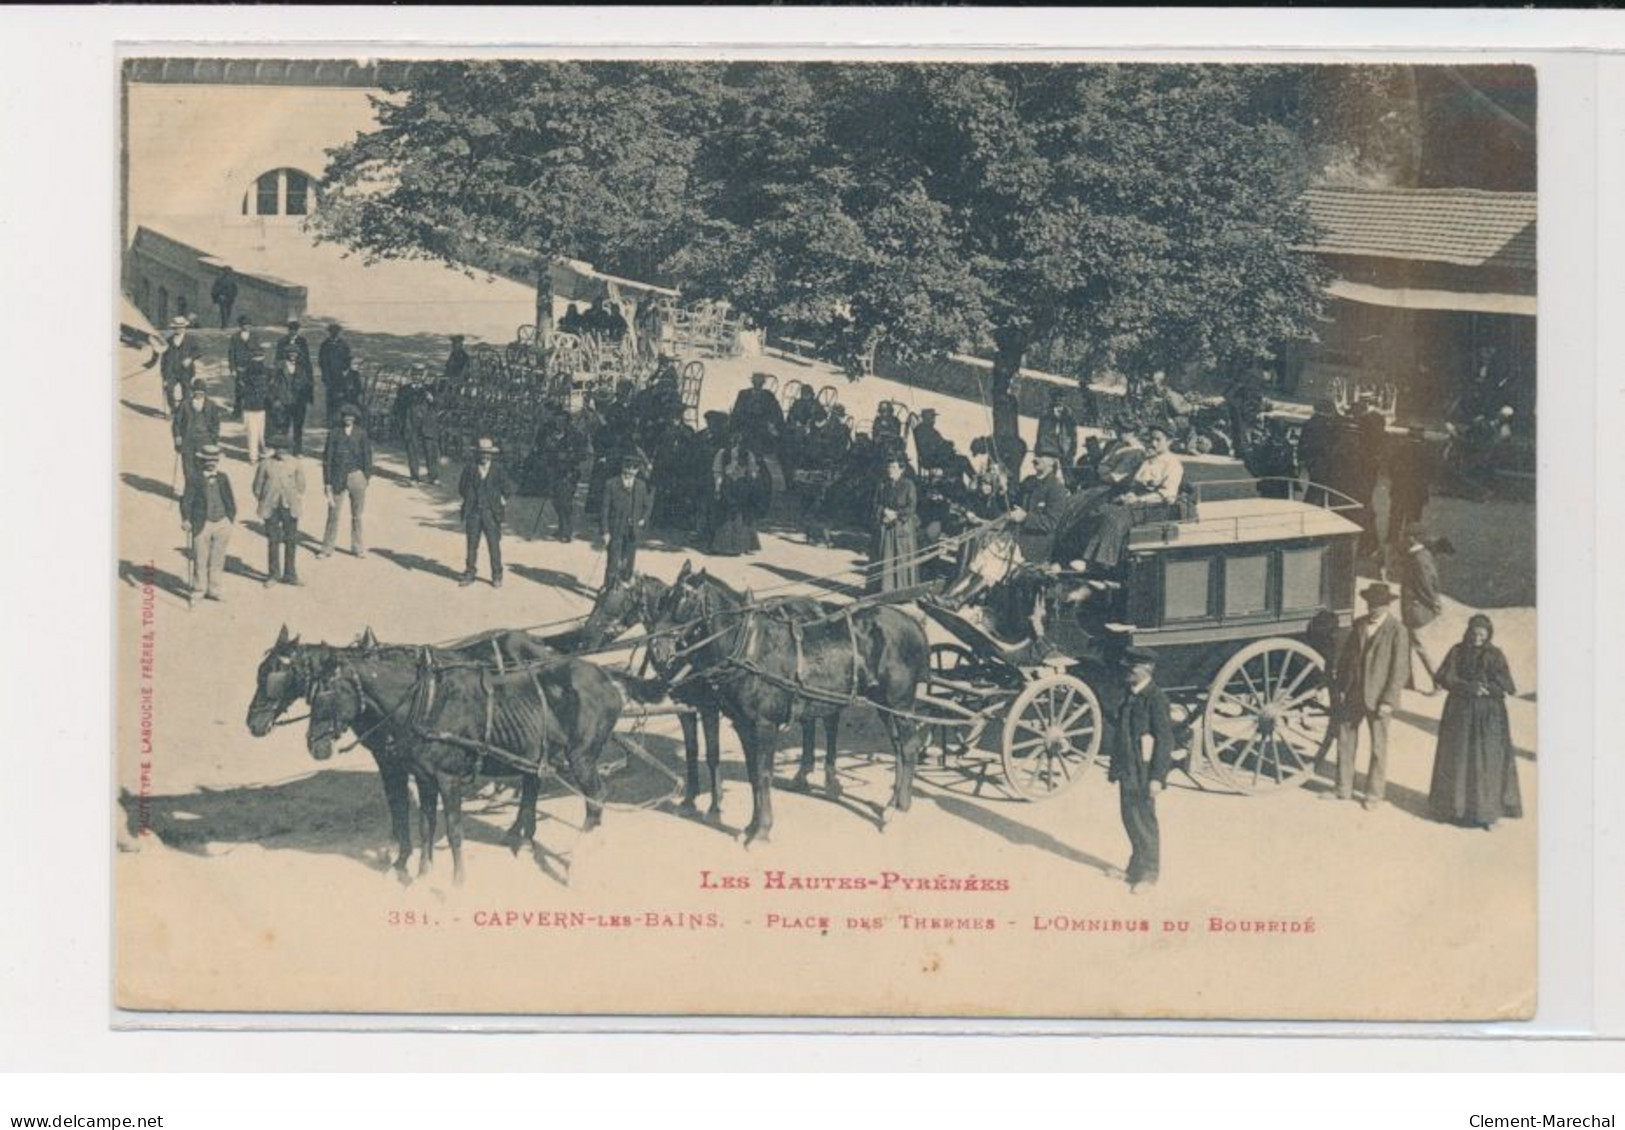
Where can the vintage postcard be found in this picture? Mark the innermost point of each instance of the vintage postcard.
(992, 540)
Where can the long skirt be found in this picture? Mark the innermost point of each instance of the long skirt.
(1475, 776)
(896, 556)
(736, 521)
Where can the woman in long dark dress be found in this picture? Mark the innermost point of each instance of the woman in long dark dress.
(897, 537)
(1475, 777)
(736, 475)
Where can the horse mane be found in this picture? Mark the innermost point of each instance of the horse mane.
(716, 582)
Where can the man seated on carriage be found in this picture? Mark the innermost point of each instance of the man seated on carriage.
(800, 423)
(1154, 487)
(934, 452)
(886, 428)
(758, 417)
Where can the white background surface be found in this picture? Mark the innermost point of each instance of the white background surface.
(59, 223)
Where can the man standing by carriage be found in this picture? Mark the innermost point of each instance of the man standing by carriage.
(757, 417)
(1141, 732)
(1371, 672)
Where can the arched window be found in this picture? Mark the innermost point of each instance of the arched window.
(280, 192)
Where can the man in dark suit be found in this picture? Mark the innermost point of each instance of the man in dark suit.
(346, 470)
(627, 503)
(208, 512)
(224, 294)
(239, 352)
(422, 431)
(178, 364)
(456, 366)
(1058, 429)
(333, 358)
(279, 488)
(302, 381)
(195, 425)
(1142, 735)
(1039, 503)
(1371, 673)
(758, 417)
(484, 488)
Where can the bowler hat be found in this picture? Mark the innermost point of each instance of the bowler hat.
(630, 463)
(242, 319)
(1135, 656)
(349, 410)
(1377, 592)
(759, 378)
(485, 445)
(1047, 450)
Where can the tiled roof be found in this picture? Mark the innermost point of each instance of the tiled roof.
(1466, 226)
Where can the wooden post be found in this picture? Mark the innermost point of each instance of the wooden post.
(544, 299)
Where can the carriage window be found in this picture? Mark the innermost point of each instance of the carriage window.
(1246, 585)
(1300, 577)
(1184, 589)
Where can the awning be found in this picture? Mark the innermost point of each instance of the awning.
(1408, 298)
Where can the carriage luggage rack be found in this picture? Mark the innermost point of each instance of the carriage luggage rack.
(1299, 509)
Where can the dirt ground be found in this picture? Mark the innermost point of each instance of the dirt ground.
(251, 877)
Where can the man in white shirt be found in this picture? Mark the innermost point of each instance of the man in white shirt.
(1157, 481)
(1160, 475)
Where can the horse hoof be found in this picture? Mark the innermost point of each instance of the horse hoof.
(833, 792)
(688, 808)
(798, 783)
(713, 815)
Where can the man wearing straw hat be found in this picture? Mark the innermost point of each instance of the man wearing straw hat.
(178, 363)
(1371, 673)
(1141, 732)
(207, 513)
(484, 488)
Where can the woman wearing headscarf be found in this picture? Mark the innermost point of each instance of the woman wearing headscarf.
(735, 475)
(897, 538)
(1475, 779)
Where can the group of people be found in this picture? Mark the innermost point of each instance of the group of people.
(602, 320)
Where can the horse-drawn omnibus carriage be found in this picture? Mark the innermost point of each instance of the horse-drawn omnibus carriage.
(1242, 603)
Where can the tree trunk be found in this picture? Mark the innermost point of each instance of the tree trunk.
(544, 298)
(1007, 358)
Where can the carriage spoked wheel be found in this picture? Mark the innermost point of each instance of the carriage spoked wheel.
(958, 663)
(1052, 736)
(1268, 714)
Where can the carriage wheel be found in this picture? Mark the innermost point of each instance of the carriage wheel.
(1268, 713)
(1052, 736)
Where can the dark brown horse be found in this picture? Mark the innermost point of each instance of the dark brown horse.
(787, 660)
(287, 672)
(450, 720)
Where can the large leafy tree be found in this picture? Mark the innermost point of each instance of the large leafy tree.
(1148, 215)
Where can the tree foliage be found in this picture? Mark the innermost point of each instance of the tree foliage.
(1151, 215)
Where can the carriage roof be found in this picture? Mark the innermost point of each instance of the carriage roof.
(1245, 521)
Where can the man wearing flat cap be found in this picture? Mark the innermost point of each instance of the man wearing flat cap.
(346, 470)
(1371, 672)
(484, 489)
(208, 511)
(1141, 733)
(627, 504)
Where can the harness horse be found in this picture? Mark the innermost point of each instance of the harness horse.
(767, 665)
